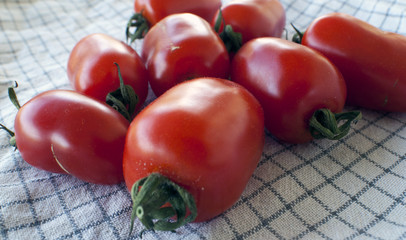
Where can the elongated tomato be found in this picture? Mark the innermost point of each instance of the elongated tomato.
(372, 61)
(206, 135)
(64, 131)
(182, 47)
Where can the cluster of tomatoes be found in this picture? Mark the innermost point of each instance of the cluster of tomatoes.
(221, 73)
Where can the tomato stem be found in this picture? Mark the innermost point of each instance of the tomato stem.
(140, 25)
(232, 40)
(124, 99)
(325, 124)
(13, 98)
(11, 133)
(149, 194)
(298, 37)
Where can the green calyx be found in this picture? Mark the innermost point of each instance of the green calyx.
(124, 99)
(232, 40)
(151, 193)
(326, 124)
(13, 98)
(139, 24)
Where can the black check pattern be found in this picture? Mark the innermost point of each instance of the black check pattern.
(353, 188)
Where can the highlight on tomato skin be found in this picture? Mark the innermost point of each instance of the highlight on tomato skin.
(253, 18)
(206, 135)
(63, 131)
(182, 47)
(154, 10)
(149, 12)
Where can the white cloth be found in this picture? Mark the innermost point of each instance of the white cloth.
(348, 189)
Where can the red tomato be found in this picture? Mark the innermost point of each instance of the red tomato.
(181, 47)
(85, 136)
(205, 134)
(291, 82)
(91, 69)
(254, 18)
(372, 61)
(155, 10)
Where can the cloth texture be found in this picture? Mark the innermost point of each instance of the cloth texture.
(352, 188)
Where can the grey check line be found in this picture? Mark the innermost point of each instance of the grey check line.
(290, 172)
(3, 230)
(34, 200)
(80, 230)
(34, 215)
(106, 217)
(381, 217)
(32, 54)
(385, 115)
(192, 231)
(65, 207)
(288, 206)
(243, 199)
(362, 191)
(365, 155)
(310, 193)
(386, 14)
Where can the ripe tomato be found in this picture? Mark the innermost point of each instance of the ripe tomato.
(181, 47)
(372, 61)
(253, 18)
(291, 82)
(149, 12)
(64, 131)
(91, 69)
(155, 10)
(206, 135)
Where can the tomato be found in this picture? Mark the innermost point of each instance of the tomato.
(206, 135)
(149, 12)
(253, 18)
(181, 47)
(91, 69)
(291, 82)
(155, 10)
(63, 131)
(372, 61)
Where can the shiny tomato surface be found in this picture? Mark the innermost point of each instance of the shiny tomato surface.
(182, 47)
(155, 10)
(91, 69)
(205, 134)
(372, 61)
(254, 18)
(64, 131)
(291, 82)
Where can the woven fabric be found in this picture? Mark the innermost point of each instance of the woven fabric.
(353, 188)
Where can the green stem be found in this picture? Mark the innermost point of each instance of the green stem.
(124, 99)
(13, 98)
(11, 133)
(140, 25)
(298, 37)
(232, 40)
(326, 124)
(149, 194)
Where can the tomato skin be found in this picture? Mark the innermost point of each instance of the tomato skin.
(254, 18)
(156, 10)
(205, 134)
(290, 81)
(91, 69)
(182, 47)
(86, 136)
(372, 61)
